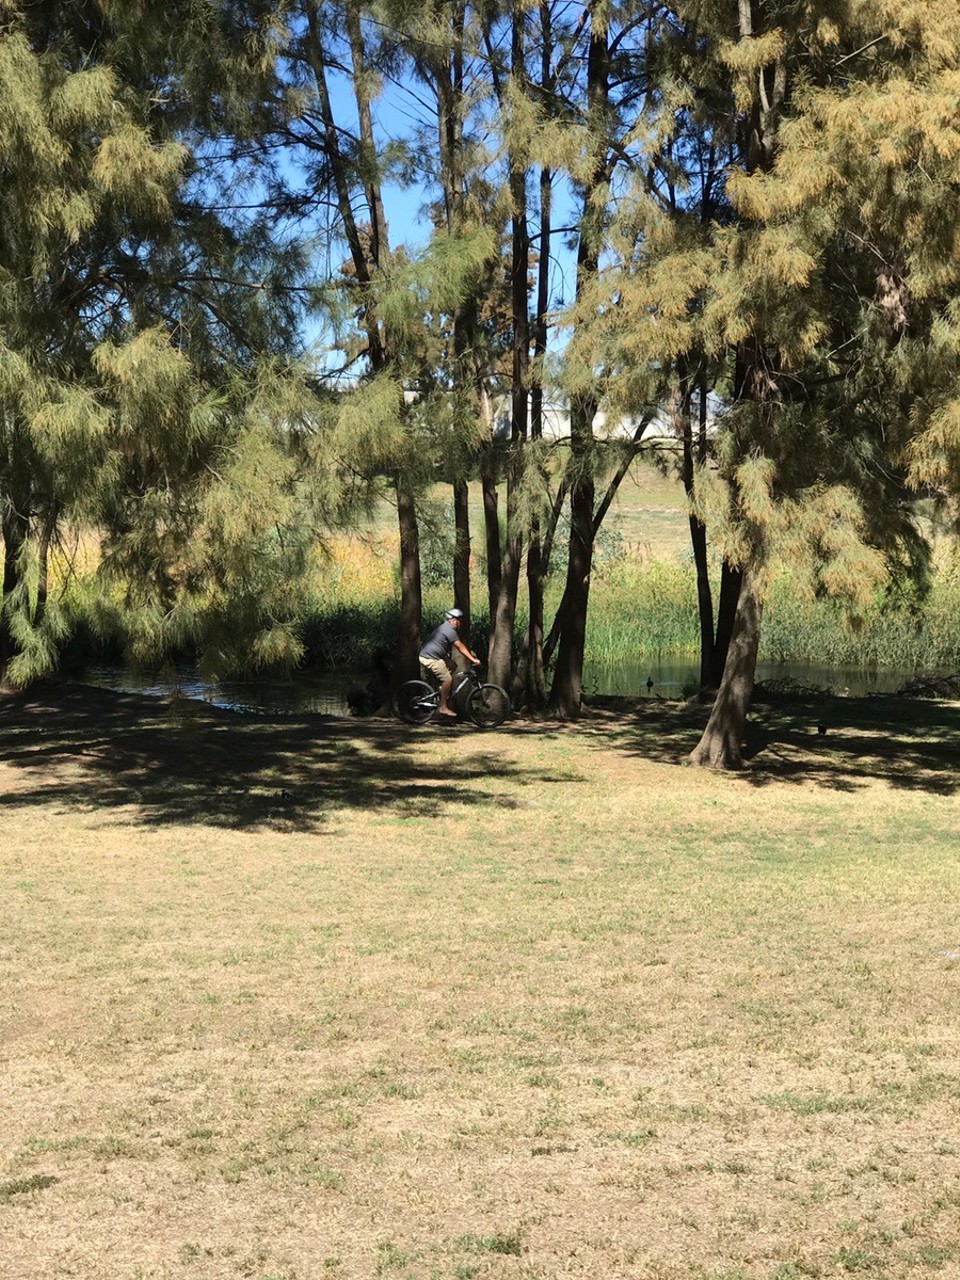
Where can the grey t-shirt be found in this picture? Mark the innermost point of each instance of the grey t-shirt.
(439, 642)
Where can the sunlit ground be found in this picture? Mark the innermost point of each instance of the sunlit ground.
(297, 999)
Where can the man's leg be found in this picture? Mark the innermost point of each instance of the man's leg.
(446, 686)
(442, 675)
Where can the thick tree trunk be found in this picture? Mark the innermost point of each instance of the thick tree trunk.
(731, 580)
(567, 692)
(698, 544)
(500, 652)
(720, 747)
(411, 603)
(461, 553)
(546, 555)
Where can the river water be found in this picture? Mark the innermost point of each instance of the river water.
(675, 675)
(325, 693)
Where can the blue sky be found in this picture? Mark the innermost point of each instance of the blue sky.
(398, 112)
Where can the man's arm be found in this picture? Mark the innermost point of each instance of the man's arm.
(471, 657)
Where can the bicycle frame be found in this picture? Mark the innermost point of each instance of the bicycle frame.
(470, 699)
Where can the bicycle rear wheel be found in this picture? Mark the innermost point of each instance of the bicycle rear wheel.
(416, 702)
(488, 706)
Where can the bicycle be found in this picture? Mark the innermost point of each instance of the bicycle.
(487, 705)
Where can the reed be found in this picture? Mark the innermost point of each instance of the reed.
(641, 607)
(918, 636)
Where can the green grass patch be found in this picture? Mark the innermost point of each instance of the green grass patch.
(817, 1104)
(508, 1243)
(25, 1186)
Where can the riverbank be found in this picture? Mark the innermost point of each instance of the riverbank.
(301, 997)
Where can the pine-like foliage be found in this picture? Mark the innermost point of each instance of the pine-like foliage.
(797, 239)
(792, 245)
(146, 393)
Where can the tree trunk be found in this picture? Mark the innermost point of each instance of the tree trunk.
(698, 544)
(500, 660)
(731, 580)
(368, 156)
(532, 678)
(500, 652)
(411, 598)
(693, 454)
(567, 692)
(446, 70)
(720, 747)
(491, 527)
(461, 553)
(531, 684)
(367, 259)
(364, 264)
(48, 529)
(411, 603)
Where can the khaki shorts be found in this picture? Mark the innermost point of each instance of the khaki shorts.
(436, 667)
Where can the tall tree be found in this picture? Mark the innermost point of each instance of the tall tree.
(603, 110)
(135, 310)
(397, 318)
(791, 299)
(805, 462)
(441, 45)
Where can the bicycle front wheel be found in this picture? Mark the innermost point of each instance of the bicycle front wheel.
(488, 706)
(416, 702)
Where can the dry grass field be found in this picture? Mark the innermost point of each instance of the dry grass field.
(528, 1004)
(649, 511)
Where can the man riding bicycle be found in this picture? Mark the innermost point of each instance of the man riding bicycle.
(437, 652)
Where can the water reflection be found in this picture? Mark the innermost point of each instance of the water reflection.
(674, 676)
(316, 693)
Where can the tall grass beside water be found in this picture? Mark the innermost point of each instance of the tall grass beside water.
(637, 606)
(923, 636)
(640, 606)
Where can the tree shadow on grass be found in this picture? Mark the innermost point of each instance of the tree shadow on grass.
(909, 743)
(187, 762)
